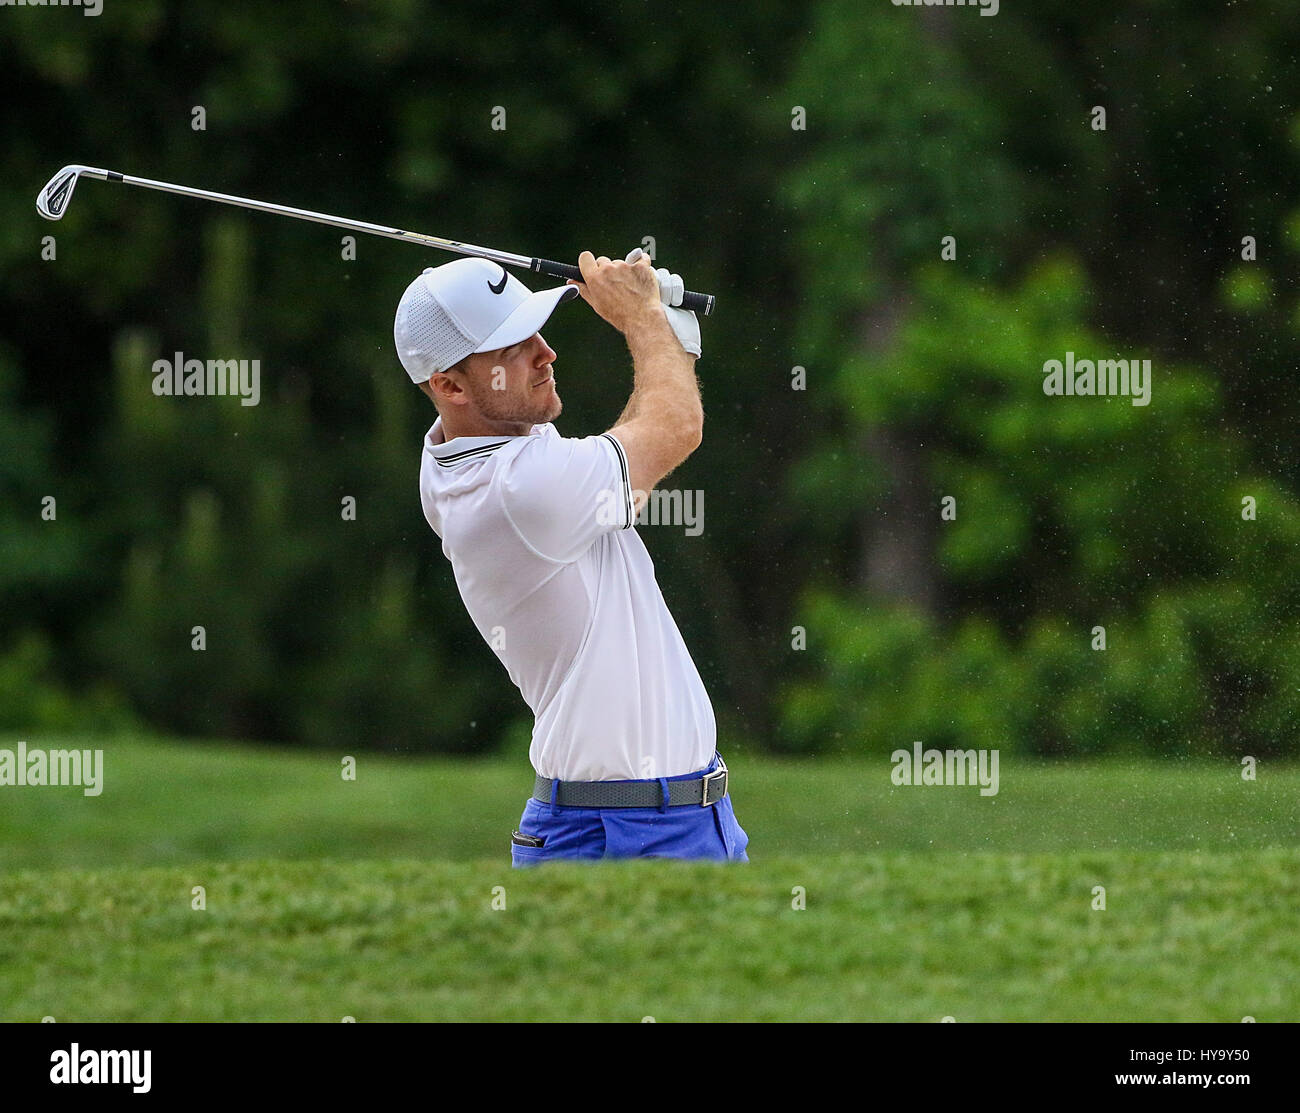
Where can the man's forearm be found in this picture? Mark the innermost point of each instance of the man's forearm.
(664, 385)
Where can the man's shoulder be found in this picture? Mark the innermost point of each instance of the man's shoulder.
(547, 457)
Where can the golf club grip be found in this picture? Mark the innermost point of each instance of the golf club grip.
(700, 303)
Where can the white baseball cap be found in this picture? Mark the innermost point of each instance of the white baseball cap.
(471, 305)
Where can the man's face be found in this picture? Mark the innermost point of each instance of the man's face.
(515, 384)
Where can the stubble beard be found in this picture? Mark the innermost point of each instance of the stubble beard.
(494, 405)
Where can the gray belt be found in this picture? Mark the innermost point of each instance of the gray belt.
(702, 791)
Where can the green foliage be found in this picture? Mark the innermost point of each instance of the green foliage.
(923, 375)
(1198, 673)
(898, 155)
(1201, 610)
(39, 548)
(1071, 513)
(34, 699)
(200, 512)
(1246, 289)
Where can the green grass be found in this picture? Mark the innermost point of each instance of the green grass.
(903, 936)
(373, 898)
(171, 803)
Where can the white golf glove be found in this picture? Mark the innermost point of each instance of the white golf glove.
(684, 324)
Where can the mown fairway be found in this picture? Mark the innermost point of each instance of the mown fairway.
(374, 898)
(910, 936)
(172, 803)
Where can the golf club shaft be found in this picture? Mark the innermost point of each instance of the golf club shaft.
(702, 303)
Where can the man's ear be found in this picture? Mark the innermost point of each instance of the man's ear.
(445, 387)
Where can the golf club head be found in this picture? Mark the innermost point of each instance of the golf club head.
(52, 201)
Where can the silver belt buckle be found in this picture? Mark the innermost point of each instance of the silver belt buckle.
(719, 774)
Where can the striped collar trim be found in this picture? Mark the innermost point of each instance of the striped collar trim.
(450, 454)
(463, 449)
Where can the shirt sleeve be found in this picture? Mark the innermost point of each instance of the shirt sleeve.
(562, 493)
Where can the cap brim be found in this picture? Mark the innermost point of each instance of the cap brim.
(531, 315)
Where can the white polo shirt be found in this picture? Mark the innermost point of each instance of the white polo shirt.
(537, 529)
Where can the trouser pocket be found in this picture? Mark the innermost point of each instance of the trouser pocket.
(732, 834)
(524, 856)
(719, 821)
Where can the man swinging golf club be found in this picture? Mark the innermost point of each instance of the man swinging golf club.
(538, 529)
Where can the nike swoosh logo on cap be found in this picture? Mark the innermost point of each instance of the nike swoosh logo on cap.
(500, 285)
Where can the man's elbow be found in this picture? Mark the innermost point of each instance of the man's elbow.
(693, 431)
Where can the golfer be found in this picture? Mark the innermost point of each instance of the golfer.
(539, 531)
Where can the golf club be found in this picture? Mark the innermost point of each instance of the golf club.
(52, 203)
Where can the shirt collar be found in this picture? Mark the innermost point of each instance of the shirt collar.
(460, 449)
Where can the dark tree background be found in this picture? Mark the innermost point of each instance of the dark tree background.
(805, 163)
